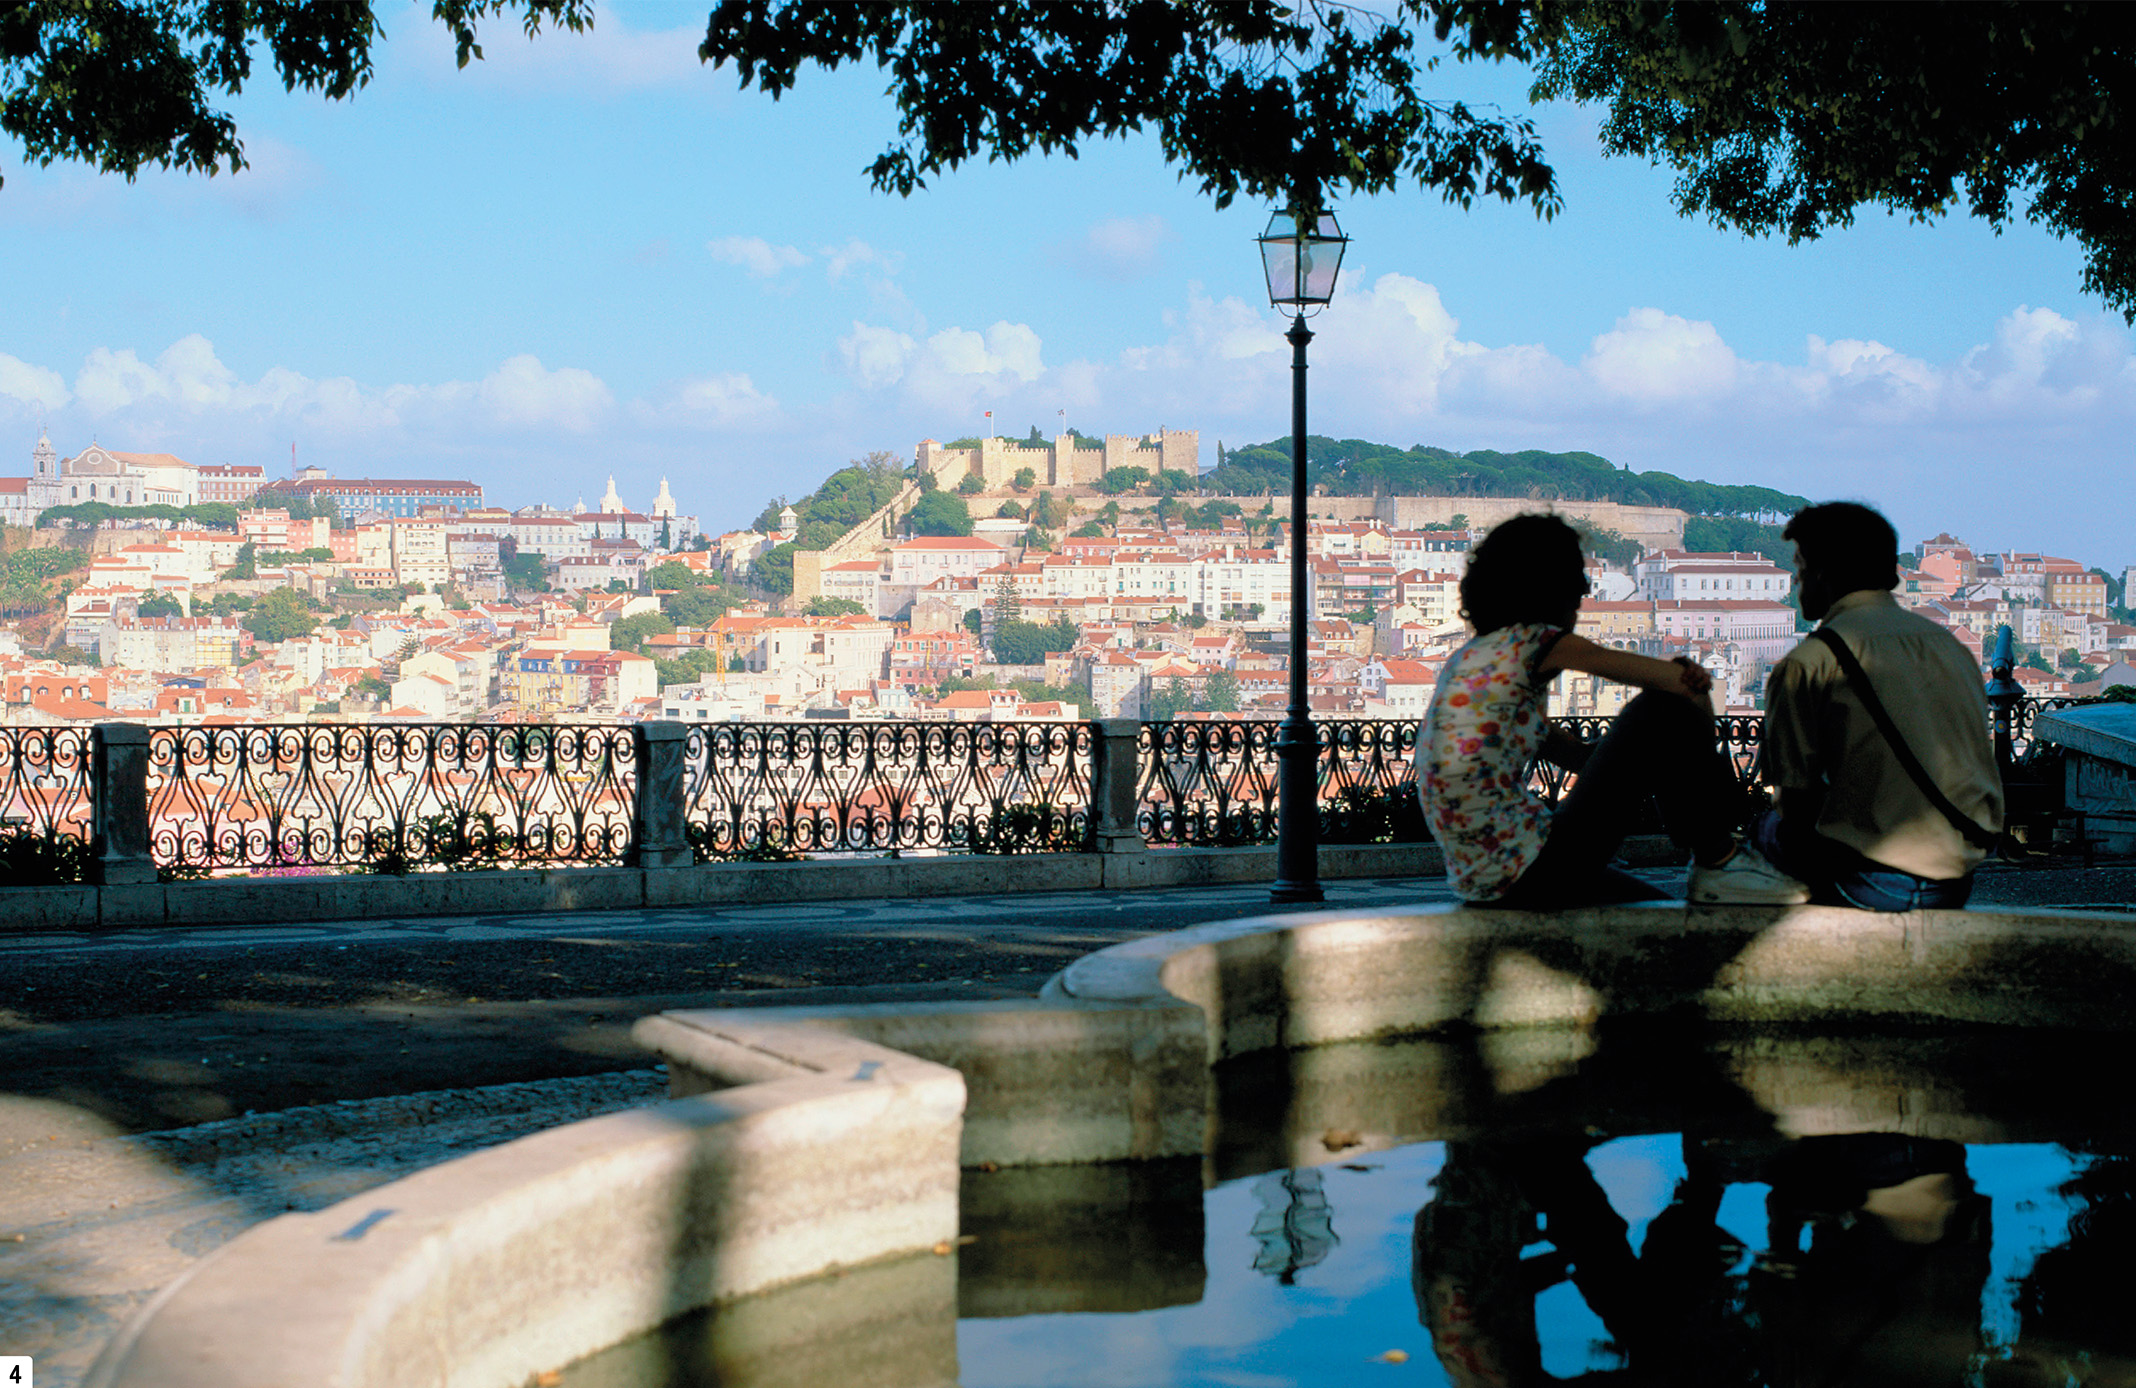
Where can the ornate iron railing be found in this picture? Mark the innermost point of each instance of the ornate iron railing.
(2025, 712)
(389, 797)
(773, 790)
(1213, 782)
(44, 788)
(1207, 781)
(400, 797)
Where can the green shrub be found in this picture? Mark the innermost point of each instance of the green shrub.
(30, 858)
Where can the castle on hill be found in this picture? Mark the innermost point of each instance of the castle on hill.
(1064, 462)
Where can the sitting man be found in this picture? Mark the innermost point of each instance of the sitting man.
(1876, 733)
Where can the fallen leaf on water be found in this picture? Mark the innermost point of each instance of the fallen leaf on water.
(1358, 1166)
(548, 1378)
(1336, 1139)
(1392, 1356)
(942, 1249)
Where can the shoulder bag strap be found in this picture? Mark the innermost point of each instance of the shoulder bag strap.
(1866, 692)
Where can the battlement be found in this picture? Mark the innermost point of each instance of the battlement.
(1064, 461)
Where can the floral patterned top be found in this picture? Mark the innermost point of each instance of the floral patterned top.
(1485, 726)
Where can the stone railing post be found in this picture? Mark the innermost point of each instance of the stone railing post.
(118, 798)
(1115, 776)
(659, 821)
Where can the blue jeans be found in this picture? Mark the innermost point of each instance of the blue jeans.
(1838, 876)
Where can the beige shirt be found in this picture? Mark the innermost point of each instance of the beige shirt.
(1818, 736)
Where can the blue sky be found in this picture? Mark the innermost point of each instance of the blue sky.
(589, 254)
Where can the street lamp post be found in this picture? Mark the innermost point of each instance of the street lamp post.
(1301, 253)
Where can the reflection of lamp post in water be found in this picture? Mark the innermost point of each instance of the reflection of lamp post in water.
(1301, 252)
(1295, 1227)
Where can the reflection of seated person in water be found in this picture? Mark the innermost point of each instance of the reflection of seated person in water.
(1888, 1292)
(1476, 1293)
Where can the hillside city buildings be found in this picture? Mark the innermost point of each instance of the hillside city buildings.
(427, 603)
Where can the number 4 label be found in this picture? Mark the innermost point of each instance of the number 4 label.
(17, 1371)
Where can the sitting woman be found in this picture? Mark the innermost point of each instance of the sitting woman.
(1486, 726)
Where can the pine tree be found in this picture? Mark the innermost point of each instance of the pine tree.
(1008, 606)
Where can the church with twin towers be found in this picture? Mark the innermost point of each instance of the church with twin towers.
(663, 507)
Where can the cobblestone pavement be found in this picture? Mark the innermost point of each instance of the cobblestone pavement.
(163, 1090)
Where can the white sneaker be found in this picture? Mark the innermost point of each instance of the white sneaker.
(1746, 879)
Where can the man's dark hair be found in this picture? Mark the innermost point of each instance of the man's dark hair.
(1526, 570)
(1848, 544)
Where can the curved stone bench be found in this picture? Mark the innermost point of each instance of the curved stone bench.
(1308, 980)
(492, 1268)
(804, 1140)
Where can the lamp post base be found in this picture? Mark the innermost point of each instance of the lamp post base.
(1293, 893)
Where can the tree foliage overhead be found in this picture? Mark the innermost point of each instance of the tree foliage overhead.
(1786, 118)
(1777, 118)
(1278, 101)
(1358, 467)
(124, 85)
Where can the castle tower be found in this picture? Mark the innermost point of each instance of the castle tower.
(664, 504)
(611, 504)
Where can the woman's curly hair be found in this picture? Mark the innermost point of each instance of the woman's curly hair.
(1528, 569)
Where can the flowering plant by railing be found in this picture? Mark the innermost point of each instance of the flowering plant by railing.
(389, 797)
(827, 787)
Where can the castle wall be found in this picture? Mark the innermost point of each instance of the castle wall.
(1656, 527)
(1059, 463)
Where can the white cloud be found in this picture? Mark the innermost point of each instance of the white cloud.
(874, 356)
(756, 255)
(110, 381)
(1120, 249)
(188, 381)
(34, 386)
(1961, 444)
(950, 374)
(1868, 377)
(524, 394)
(1006, 348)
(714, 402)
(1654, 358)
(855, 254)
(949, 371)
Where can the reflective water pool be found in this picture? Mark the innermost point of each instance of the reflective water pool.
(1653, 1208)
